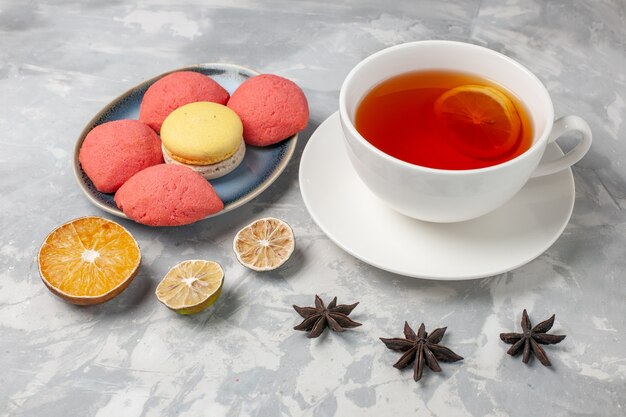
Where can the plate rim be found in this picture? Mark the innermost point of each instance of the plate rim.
(441, 277)
(78, 171)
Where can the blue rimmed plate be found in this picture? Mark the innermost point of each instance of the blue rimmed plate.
(259, 169)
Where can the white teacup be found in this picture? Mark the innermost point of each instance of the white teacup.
(439, 195)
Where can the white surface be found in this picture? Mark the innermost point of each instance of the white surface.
(61, 62)
(365, 227)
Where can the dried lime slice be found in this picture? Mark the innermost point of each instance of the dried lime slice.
(191, 286)
(265, 244)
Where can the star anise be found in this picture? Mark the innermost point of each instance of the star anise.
(317, 318)
(423, 348)
(529, 340)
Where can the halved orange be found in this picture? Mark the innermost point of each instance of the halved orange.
(482, 121)
(265, 244)
(88, 260)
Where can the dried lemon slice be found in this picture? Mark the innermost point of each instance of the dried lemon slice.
(191, 286)
(265, 244)
(88, 260)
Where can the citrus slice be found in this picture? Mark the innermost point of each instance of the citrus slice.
(88, 260)
(265, 244)
(482, 121)
(191, 286)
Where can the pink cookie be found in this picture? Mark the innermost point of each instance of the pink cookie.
(271, 108)
(175, 90)
(115, 151)
(167, 195)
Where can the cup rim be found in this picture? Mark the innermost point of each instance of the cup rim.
(347, 122)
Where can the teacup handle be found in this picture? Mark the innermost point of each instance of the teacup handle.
(561, 126)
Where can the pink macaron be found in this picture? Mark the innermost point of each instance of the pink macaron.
(175, 90)
(271, 108)
(115, 151)
(167, 195)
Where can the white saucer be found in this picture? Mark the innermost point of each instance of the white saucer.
(362, 225)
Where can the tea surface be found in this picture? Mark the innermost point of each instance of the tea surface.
(399, 117)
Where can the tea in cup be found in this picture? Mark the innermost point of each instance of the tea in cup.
(447, 131)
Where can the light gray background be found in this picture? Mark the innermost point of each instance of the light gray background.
(60, 62)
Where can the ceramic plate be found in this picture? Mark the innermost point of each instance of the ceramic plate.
(362, 225)
(260, 167)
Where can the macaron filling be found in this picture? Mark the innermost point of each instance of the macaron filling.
(211, 171)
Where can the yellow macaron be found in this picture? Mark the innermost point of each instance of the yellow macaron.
(202, 133)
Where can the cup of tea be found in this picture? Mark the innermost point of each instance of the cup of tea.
(447, 131)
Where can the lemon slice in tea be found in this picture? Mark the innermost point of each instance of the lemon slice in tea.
(191, 286)
(88, 260)
(265, 244)
(482, 120)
